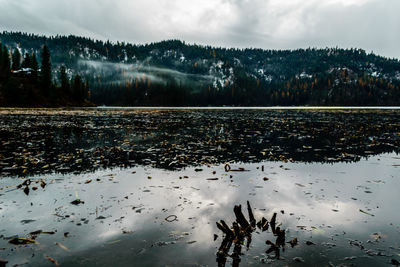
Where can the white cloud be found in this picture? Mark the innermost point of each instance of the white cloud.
(348, 2)
(368, 24)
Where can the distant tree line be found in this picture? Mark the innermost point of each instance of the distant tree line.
(366, 92)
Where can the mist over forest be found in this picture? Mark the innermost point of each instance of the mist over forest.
(173, 73)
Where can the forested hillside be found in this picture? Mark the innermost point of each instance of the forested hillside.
(171, 73)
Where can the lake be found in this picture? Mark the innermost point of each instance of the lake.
(137, 187)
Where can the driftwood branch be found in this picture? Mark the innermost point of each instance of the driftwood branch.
(224, 250)
(242, 230)
(236, 230)
(240, 217)
(251, 216)
(273, 248)
(263, 224)
(280, 240)
(273, 223)
(224, 228)
(237, 250)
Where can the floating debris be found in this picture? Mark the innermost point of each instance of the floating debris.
(38, 232)
(77, 202)
(52, 260)
(176, 155)
(62, 246)
(378, 236)
(22, 241)
(370, 214)
(171, 218)
(163, 243)
(27, 221)
(395, 262)
(298, 259)
(320, 137)
(293, 242)
(26, 190)
(229, 169)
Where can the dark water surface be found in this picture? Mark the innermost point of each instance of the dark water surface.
(147, 215)
(54, 140)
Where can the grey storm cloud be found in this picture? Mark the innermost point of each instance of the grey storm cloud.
(373, 25)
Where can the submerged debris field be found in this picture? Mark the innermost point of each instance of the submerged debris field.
(137, 187)
(66, 141)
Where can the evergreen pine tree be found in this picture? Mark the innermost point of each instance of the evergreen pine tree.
(16, 60)
(1, 57)
(85, 91)
(27, 61)
(77, 88)
(45, 72)
(6, 71)
(64, 80)
(34, 66)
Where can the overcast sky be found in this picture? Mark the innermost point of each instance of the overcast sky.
(373, 25)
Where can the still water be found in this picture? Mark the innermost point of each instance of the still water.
(145, 216)
(145, 187)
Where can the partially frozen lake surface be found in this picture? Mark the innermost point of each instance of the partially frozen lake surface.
(343, 209)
